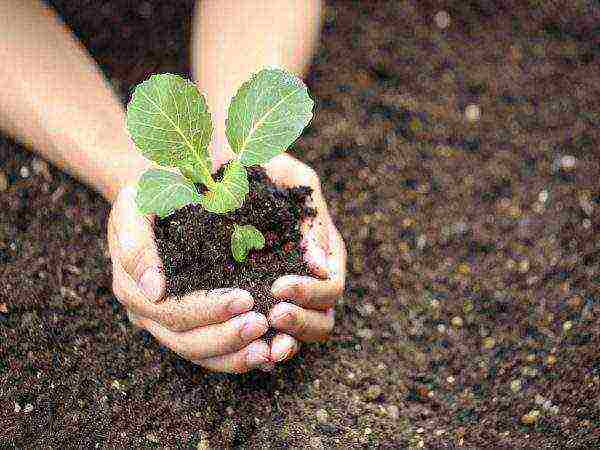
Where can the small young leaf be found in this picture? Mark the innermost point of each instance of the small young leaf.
(229, 193)
(243, 239)
(161, 192)
(266, 115)
(169, 122)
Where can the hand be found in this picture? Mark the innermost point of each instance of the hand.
(311, 318)
(214, 329)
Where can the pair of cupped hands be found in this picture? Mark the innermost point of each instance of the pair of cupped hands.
(216, 329)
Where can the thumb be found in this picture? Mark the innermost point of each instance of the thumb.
(132, 245)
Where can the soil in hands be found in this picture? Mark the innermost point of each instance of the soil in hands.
(195, 245)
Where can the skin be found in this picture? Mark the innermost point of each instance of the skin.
(55, 99)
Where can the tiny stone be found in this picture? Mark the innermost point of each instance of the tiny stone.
(17, 408)
(152, 438)
(442, 19)
(543, 196)
(365, 333)
(25, 172)
(3, 182)
(368, 309)
(567, 325)
(515, 385)
(551, 360)
(40, 167)
(450, 380)
(488, 343)
(457, 321)
(524, 266)
(28, 408)
(473, 113)
(439, 432)
(322, 416)
(203, 444)
(531, 417)
(568, 162)
(441, 328)
(373, 392)
(420, 430)
(393, 411)
(316, 443)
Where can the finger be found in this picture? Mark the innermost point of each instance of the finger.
(244, 360)
(184, 313)
(211, 340)
(131, 242)
(315, 242)
(283, 347)
(305, 325)
(307, 291)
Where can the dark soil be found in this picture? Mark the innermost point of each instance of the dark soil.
(195, 247)
(473, 294)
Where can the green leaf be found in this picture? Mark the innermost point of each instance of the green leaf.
(243, 239)
(169, 122)
(229, 193)
(161, 192)
(266, 115)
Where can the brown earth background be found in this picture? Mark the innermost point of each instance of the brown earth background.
(472, 312)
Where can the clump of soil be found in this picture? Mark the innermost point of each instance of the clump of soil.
(195, 245)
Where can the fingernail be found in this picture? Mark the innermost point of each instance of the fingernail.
(285, 286)
(281, 349)
(256, 355)
(241, 303)
(284, 320)
(252, 325)
(152, 283)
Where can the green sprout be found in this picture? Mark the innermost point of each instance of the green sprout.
(170, 124)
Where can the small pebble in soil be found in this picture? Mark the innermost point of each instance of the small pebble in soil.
(515, 385)
(3, 182)
(473, 113)
(568, 162)
(489, 343)
(24, 172)
(17, 408)
(531, 417)
(393, 412)
(373, 392)
(567, 326)
(28, 408)
(551, 360)
(457, 321)
(543, 196)
(322, 416)
(40, 167)
(442, 19)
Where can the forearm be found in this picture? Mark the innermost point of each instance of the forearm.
(235, 38)
(54, 98)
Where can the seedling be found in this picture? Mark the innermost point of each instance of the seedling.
(170, 124)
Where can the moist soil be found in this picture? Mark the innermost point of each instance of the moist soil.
(471, 317)
(195, 245)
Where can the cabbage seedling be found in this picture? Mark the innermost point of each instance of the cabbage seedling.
(170, 124)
